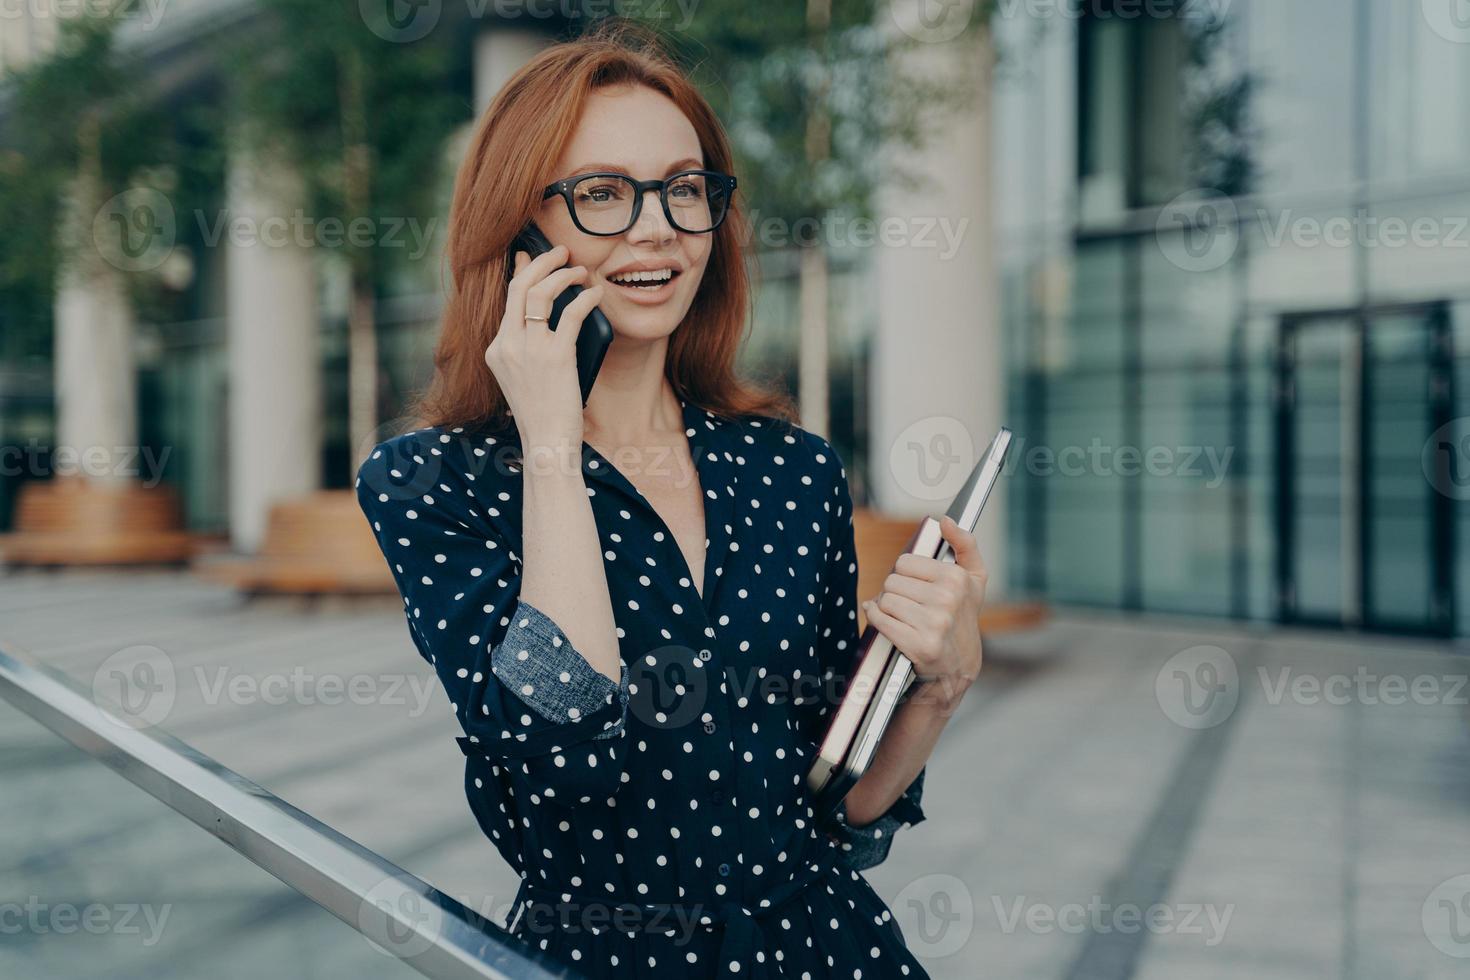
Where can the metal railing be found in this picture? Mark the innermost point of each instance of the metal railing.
(429, 931)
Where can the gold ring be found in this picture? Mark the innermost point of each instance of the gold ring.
(543, 319)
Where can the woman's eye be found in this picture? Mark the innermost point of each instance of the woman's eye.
(598, 194)
(686, 189)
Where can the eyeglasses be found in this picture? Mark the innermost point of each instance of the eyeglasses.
(694, 201)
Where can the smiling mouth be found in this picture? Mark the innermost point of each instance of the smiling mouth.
(644, 280)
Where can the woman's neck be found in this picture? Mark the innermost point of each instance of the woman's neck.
(632, 403)
(633, 417)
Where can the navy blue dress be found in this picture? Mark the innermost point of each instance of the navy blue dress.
(660, 825)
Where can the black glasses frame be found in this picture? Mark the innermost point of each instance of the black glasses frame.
(563, 189)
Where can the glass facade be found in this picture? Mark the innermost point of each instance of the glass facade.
(1236, 281)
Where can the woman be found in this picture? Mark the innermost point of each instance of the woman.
(637, 607)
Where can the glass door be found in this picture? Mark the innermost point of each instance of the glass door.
(1362, 531)
(1319, 397)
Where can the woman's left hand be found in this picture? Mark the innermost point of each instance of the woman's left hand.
(930, 611)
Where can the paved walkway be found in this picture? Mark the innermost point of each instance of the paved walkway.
(1118, 797)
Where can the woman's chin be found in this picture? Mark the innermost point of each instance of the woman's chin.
(643, 322)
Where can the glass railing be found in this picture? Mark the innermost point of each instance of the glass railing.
(99, 880)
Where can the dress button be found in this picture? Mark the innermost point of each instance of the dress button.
(709, 728)
(705, 655)
(724, 871)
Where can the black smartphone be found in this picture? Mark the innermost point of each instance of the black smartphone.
(597, 332)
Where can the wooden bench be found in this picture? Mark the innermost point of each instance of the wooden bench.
(316, 544)
(74, 520)
(881, 539)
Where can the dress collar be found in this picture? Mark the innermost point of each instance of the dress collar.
(715, 450)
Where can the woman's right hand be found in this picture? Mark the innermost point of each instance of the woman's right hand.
(535, 366)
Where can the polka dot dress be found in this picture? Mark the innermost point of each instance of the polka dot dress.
(660, 824)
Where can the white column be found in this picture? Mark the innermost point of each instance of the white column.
(96, 375)
(275, 398)
(95, 368)
(937, 371)
(499, 52)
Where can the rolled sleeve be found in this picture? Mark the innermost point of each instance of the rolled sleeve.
(524, 696)
(868, 845)
(537, 663)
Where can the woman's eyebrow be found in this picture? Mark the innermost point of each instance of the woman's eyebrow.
(688, 163)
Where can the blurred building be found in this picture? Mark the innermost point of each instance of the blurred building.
(1236, 302)
(243, 400)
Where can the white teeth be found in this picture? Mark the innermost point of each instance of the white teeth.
(653, 275)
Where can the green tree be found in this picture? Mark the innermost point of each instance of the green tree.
(364, 121)
(820, 99)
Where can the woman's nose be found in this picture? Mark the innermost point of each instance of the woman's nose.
(652, 224)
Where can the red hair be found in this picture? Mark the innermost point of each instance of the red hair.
(498, 189)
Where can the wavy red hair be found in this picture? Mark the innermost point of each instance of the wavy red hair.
(498, 189)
